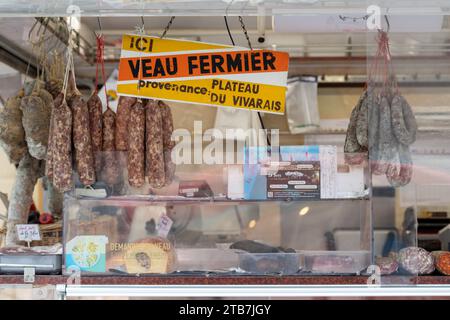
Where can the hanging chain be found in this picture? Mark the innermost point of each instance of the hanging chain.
(245, 32)
(167, 27)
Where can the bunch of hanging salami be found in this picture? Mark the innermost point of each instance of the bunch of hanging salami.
(24, 134)
(144, 129)
(382, 123)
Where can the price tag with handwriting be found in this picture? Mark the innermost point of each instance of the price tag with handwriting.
(28, 232)
(164, 225)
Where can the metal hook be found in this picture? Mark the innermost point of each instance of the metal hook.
(143, 23)
(387, 23)
(100, 26)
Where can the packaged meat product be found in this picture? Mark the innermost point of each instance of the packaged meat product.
(388, 265)
(122, 119)
(12, 135)
(136, 145)
(62, 146)
(95, 108)
(442, 262)
(36, 113)
(84, 159)
(21, 196)
(154, 162)
(332, 264)
(110, 173)
(416, 260)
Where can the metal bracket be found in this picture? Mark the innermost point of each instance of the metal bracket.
(29, 275)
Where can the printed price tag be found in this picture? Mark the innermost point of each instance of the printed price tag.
(164, 225)
(28, 232)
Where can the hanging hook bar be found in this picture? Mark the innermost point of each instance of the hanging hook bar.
(99, 25)
(388, 25)
(245, 32)
(169, 24)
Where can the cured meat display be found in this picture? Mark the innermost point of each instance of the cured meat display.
(382, 123)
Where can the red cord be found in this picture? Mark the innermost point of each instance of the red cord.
(101, 62)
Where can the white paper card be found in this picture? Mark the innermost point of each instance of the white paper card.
(28, 232)
(164, 225)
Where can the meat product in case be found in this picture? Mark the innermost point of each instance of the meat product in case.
(416, 260)
(443, 263)
(136, 146)
(388, 265)
(84, 159)
(123, 117)
(154, 162)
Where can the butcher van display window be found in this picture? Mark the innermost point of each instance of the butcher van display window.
(270, 148)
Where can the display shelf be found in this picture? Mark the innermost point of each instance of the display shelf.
(203, 7)
(227, 280)
(123, 201)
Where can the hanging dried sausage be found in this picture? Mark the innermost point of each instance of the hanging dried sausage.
(110, 172)
(62, 145)
(12, 135)
(96, 124)
(36, 113)
(136, 145)
(168, 144)
(404, 123)
(122, 119)
(154, 162)
(84, 159)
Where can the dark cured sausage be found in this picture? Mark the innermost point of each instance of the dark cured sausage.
(84, 159)
(62, 146)
(154, 162)
(168, 144)
(110, 166)
(50, 148)
(136, 145)
(122, 119)
(96, 124)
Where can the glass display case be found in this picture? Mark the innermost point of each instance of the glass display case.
(262, 217)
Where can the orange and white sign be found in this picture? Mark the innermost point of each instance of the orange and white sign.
(203, 73)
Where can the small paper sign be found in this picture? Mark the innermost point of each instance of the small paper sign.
(28, 232)
(164, 225)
